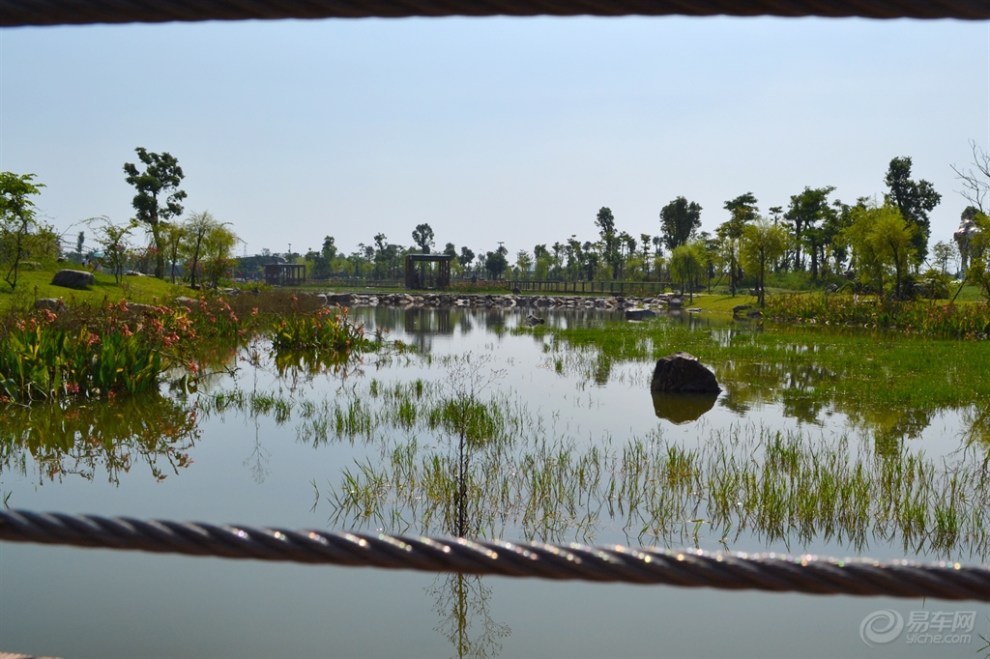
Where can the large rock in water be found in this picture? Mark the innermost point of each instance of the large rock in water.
(682, 373)
(79, 279)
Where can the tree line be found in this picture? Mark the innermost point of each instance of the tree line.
(881, 245)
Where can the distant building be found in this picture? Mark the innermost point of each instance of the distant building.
(428, 270)
(285, 274)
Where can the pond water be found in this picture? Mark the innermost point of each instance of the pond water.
(569, 446)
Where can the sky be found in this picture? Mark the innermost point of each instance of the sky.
(512, 130)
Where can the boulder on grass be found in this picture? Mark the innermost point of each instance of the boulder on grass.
(78, 279)
(682, 373)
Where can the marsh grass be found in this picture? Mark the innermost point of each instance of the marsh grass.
(734, 487)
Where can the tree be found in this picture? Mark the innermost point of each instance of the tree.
(687, 265)
(882, 243)
(944, 252)
(762, 243)
(679, 221)
(605, 222)
(804, 214)
(976, 183)
(16, 217)
(208, 245)
(218, 248)
(914, 199)
(113, 239)
(422, 235)
(742, 210)
(466, 257)
(174, 234)
(978, 271)
(158, 195)
(496, 263)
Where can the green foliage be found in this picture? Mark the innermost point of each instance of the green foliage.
(679, 221)
(914, 199)
(158, 196)
(882, 244)
(16, 219)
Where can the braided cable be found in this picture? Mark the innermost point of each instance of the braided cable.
(69, 12)
(687, 568)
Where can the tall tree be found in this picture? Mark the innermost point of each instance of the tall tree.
(158, 195)
(679, 221)
(742, 210)
(422, 235)
(466, 257)
(762, 243)
(16, 216)
(915, 199)
(805, 213)
(605, 222)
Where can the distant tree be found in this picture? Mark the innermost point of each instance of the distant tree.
(914, 199)
(158, 195)
(762, 243)
(524, 264)
(329, 250)
(605, 222)
(16, 217)
(208, 247)
(450, 250)
(174, 235)
(679, 221)
(805, 214)
(218, 252)
(687, 266)
(742, 210)
(422, 235)
(943, 252)
(80, 241)
(466, 257)
(113, 239)
(496, 263)
(882, 244)
(976, 182)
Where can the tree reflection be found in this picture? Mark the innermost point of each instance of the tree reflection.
(82, 438)
(461, 600)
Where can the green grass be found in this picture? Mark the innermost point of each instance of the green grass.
(35, 284)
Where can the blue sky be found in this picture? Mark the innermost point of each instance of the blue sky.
(514, 130)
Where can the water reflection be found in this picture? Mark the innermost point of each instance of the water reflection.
(682, 408)
(83, 438)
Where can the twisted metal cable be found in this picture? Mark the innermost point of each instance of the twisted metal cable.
(688, 568)
(67, 12)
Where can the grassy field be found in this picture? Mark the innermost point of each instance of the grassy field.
(35, 284)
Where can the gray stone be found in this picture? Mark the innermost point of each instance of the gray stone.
(682, 373)
(51, 303)
(640, 314)
(78, 279)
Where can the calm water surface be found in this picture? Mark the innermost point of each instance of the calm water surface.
(275, 468)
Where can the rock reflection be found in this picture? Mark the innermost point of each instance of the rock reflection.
(682, 408)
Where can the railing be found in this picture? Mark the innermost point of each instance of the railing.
(686, 568)
(591, 287)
